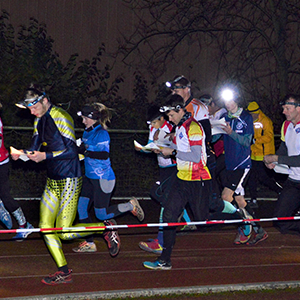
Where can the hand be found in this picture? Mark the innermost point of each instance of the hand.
(227, 128)
(15, 153)
(155, 136)
(269, 160)
(37, 156)
(166, 151)
(170, 135)
(15, 156)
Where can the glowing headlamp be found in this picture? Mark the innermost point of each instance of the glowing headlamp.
(227, 95)
(171, 84)
(30, 102)
(89, 112)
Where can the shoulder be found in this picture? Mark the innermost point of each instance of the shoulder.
(100, 131)
(192, 125)
(166, 126)
(57, 112)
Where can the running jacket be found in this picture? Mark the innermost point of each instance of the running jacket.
(198, 109)
(97, 140)
(263, 137)
(189, 134)
(55, 132)
(237, 156)
(162, 161)
(290, 135)
(3, 151)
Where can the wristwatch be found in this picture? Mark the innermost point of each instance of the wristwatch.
(174, 152)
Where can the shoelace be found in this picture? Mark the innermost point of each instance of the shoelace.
(112, 237)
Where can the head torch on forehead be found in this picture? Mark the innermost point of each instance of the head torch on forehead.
(165, 109)
(289, 103)
(89, 112)
(171, 84)
(30, 101)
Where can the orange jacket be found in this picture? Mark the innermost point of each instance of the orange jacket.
(263, 137)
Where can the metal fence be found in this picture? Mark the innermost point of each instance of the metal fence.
(135, 171)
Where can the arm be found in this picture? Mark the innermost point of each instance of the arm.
(244, 140)
(267, 134)
(194, 155)
(283, 158)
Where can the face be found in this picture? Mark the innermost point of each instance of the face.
(157, 123)
(88, 122)
(174, 116)
(254, 116)
(291, 112)
(231, 106)
(212, 108)
(40, 108)
(183, 92)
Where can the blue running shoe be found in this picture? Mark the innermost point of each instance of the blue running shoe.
(5, 217)
(157, 265)
(20, 236)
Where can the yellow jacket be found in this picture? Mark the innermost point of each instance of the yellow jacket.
(263, 137)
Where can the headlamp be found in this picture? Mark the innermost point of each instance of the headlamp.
(30, 102)
(89, 112)
(227, 95)
(171, 84)
(289, 103)
(164, 109)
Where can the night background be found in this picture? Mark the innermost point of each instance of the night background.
(122, 52)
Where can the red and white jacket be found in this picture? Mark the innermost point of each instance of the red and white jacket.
(4, 154)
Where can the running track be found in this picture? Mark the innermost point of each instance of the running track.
(203, 258)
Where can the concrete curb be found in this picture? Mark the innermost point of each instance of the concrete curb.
(168, 291)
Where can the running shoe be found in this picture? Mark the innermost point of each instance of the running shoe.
(85, 247)
(58, 277)
(157, 265)
(20, 236)
(258, 237)
(152, 246)
(137, 209)
(5, 217)
(112, 238)
(241, 238)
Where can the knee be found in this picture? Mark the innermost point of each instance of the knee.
(227, 197)
(169, 216)
(101, 214)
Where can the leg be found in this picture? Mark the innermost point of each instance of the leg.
(252, 182)
(172, 209)
(288, 202)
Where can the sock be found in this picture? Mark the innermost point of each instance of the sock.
(255, 225)
(185, 216)
(123, 207)
(228, 208)
(64, 269)
(19, 215)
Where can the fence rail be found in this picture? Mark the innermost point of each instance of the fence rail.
(135, 171)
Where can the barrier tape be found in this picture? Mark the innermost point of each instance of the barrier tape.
(95, 228)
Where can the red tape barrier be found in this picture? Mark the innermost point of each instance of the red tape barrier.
(94, 228)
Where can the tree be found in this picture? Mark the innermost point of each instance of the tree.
(253, 42)
(28, 56)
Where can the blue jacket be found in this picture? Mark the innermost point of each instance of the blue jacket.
(97, 140)
(237, 146)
